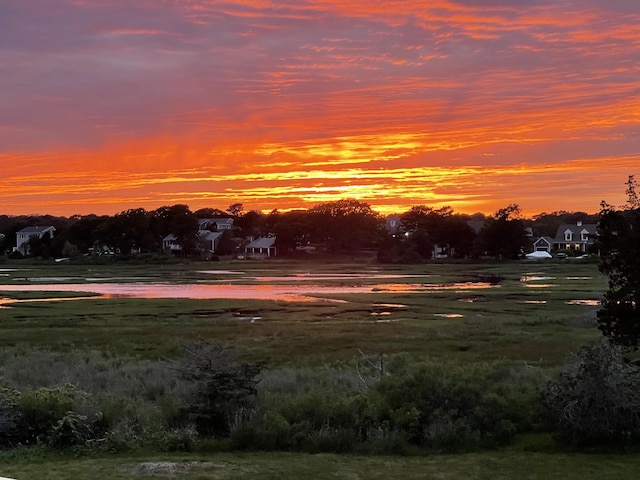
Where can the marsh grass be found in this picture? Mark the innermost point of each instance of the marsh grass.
(487, 323)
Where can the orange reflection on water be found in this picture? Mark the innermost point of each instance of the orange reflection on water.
(289, 293)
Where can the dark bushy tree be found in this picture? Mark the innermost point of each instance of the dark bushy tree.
(596, 398)
(426, 228)
(345, 224)
(619, 245)
(222, 385)
(291, 230)
(180, 221)
(503, 234)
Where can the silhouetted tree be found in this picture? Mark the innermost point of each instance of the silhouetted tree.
(291, 230)
(619, 244)
(226, 244)
(210, 213)
(235, 209)
(251, 223)
(503, 234)
(130, 228)
(178, 220)
(40, 246)
(427, 227)
(345, 225)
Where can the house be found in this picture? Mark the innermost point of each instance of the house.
(208, 242)
(261, 247)
(575, 237)
(216, 224)
(543, 244)
(23, 236)
(170, 244)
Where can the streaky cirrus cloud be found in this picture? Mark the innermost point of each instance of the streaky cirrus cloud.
(111, 104)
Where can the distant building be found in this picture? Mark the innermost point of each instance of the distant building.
(23, 236)
(215, 224)
(575, 237)
(262, 247)
(543, 244)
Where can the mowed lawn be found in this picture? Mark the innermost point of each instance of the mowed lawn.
(496, 465)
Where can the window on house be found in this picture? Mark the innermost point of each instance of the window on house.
(568, 236)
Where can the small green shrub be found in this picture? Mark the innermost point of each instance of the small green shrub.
(41, 410)
(72, 429)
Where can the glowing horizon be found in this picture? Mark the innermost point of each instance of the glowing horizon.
(108, 106)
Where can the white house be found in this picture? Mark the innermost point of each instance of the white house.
(262, 247)
(23, 236)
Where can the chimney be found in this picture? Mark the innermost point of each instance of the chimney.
(579, 223)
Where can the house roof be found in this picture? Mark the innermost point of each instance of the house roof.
(223, 221)
(37, 229)
(262, 242)
(544, 239)
(576, 230)
(206, 222)
(209, 235)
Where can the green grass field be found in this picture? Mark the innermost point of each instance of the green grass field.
(529, 321)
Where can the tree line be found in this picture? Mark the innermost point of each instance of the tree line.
(342, 226)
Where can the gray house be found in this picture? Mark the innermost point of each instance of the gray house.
(575, 237)
(207, 243)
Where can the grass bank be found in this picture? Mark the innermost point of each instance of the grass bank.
(500, 465)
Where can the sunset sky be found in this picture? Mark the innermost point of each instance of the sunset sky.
(107, 105)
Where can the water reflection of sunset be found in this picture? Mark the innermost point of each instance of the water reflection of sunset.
(260, 291)
(288, 105)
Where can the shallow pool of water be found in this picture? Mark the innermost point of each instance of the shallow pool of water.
(293, 293)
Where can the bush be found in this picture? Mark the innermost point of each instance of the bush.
(41, 410)
(596, 398)
(72, 429)
(449, 407)
(52, 417)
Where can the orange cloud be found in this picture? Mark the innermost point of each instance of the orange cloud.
(285, 105)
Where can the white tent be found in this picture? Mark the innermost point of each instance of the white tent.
(538, 255)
